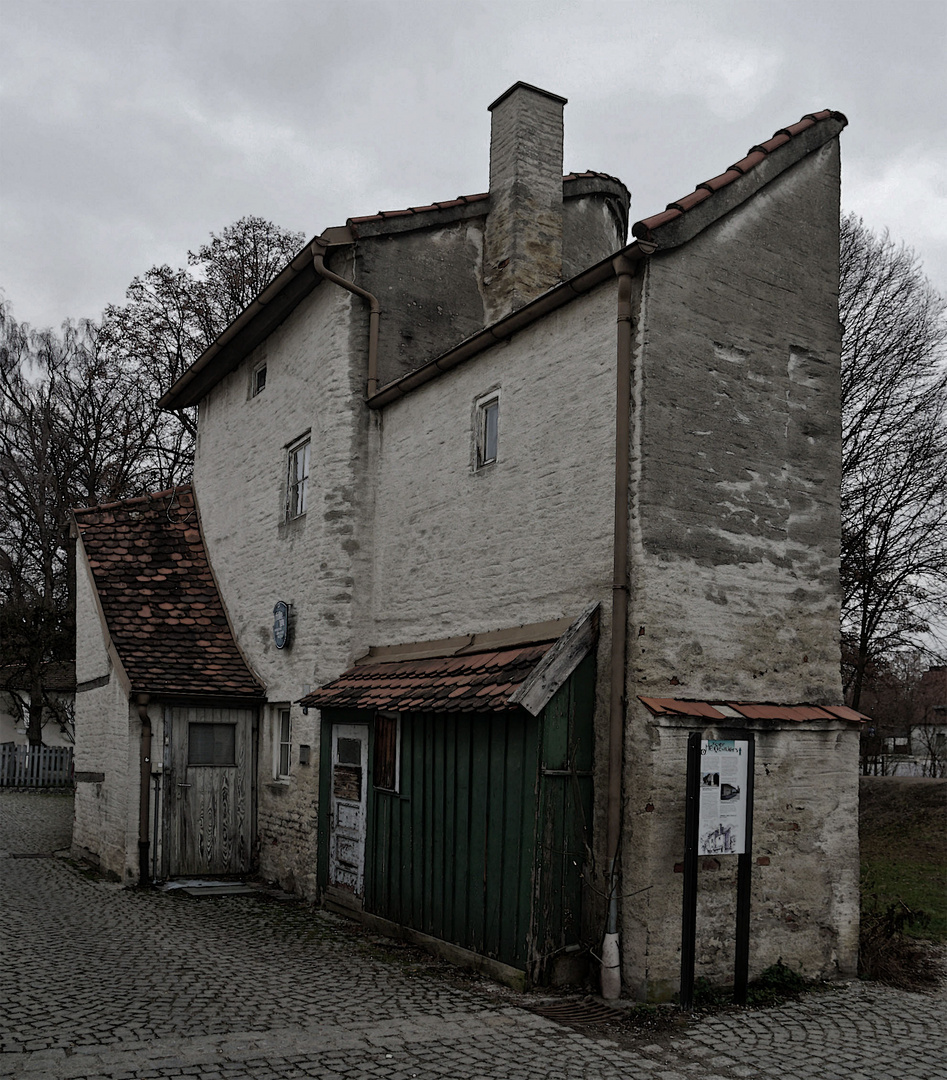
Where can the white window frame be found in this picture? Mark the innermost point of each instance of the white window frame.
(258, 370)
(298, 459)
(485, 453)
(282, 716)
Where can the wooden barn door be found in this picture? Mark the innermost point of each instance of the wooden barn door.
(209, 791)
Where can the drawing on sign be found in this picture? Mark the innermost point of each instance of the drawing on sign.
(722, 811)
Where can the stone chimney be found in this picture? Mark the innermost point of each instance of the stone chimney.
(523, 244)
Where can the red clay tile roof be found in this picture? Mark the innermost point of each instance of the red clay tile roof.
(463, 200)
(161, 604)
(645, 229)
(751, 710)
(475, 682)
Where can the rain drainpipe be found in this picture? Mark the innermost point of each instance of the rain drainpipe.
(611, 955)
(144, 806)
(318, 249)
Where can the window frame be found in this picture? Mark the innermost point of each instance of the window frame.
(281, 744)
(486, 455)
(297, 487)
(255, 387)
(393, 769)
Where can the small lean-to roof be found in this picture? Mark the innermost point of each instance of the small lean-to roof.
(159, 598)
(475, 682)
(749, 710)
(499, 670)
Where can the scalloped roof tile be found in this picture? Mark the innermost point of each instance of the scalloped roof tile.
(160, 601)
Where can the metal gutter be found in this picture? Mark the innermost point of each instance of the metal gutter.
(181, 393)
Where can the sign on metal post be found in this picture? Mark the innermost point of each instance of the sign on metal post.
(718, 822)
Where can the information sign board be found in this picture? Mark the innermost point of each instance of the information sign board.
(723, 797)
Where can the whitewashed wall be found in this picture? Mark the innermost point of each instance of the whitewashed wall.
(105, 829)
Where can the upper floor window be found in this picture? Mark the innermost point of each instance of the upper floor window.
(488, 427)
(258, 380)
(297, 480)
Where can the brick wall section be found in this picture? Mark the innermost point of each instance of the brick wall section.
(735, 529)
(316, 365)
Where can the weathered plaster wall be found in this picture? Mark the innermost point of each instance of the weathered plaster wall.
(105, 829)
(315, 388)
(805, 899)
(735, 588)
(594, 225)
(460, 550)
(737, 456)
(428, 285)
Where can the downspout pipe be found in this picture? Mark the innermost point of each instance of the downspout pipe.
(611, 955)
(319, 248)
(144, 793)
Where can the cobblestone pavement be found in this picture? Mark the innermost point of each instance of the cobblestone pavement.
(104, 982)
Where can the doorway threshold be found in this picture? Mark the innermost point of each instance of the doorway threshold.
(201, 887)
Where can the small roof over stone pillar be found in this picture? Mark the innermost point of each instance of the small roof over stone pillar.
(523, 243)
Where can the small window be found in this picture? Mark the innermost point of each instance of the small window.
(349, 751)
(297, 480)
(212, 744)
(488, 421)
(282, 744)
(259, 379)
(387, 751)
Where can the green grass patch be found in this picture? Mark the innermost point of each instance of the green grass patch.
(903, 834)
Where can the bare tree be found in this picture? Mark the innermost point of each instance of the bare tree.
(894, 467)
(73, 431)
(171, 316)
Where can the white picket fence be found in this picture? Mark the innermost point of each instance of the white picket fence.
(35, 766)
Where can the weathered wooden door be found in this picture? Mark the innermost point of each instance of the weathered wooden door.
(209, 791)
(347, 807)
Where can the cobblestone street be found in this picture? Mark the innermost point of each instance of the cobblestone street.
(104, 982)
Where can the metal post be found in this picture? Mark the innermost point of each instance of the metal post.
(741, 963)
(689, 913)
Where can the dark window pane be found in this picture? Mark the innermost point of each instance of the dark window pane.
(349, 752)
(386, 752)
(212, 744)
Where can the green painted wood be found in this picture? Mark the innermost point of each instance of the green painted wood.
(564, 817)
(463, 755)
(477, 848)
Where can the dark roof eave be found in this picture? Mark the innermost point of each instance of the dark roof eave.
(550, 301)
(252, 326)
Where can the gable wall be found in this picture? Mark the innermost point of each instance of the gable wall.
(735, 587)
(737, 457)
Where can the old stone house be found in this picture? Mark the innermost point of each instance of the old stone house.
(491, 510)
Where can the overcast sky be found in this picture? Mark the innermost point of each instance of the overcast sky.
(131, 130)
